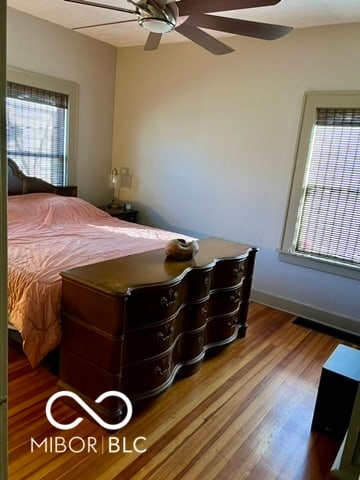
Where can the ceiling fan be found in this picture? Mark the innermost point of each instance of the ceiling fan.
(188, 17)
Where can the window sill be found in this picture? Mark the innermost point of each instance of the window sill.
(318, 264)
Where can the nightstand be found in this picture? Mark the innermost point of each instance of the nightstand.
(130, 215)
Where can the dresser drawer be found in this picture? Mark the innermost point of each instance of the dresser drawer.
(221, 329)
(150, 305)
(194, 316)
(228, 273)
(145, 342)
(197, 284)
(146, 376)
(193, 346)
(224, 301)
(151, 340)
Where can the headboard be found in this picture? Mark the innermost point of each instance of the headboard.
(19, 183)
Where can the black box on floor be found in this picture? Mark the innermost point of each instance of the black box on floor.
(339, 382)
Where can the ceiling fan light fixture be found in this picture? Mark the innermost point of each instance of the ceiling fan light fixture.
(157, 25)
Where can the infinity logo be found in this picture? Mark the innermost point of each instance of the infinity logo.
(90, 411)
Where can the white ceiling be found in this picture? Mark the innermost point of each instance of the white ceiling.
(295, 13)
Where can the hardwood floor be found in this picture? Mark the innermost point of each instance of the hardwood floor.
(245, 415)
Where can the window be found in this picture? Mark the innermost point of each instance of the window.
(42, 125)
(323, 222)
(36, 131)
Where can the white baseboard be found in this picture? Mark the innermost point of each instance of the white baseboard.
(329, 319)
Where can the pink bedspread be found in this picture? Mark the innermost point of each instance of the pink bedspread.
(49, 234)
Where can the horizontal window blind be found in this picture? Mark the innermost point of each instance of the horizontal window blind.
(36, 131)
(329, 221)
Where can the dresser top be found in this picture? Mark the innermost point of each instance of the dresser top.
(119, 275)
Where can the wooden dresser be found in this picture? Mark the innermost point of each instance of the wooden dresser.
(133, 324)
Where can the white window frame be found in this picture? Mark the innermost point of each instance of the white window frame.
(67, 87)
(313, 100)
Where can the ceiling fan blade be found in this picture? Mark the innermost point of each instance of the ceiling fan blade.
(266, 31)
(153, 41)
(203, 39)
(188, 7)
(102, 24)
(102, 5)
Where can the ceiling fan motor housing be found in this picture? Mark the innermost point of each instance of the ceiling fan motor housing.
(158, 20)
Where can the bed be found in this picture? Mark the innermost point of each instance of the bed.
(51, 231)
(101, 290)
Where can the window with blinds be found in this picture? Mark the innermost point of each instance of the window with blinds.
(36, 131)
(329, 223)
(324, 213)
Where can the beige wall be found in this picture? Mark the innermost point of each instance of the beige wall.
(45, 48)
(212, 141)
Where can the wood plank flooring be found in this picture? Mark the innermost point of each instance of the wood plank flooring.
(245, 415)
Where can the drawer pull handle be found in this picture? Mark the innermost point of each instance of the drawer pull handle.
(238, 271)
(235, 298)
(167, 302)
(161, 371)
(231, 324)
(164, 336)
(203, 310)
(206, 281)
